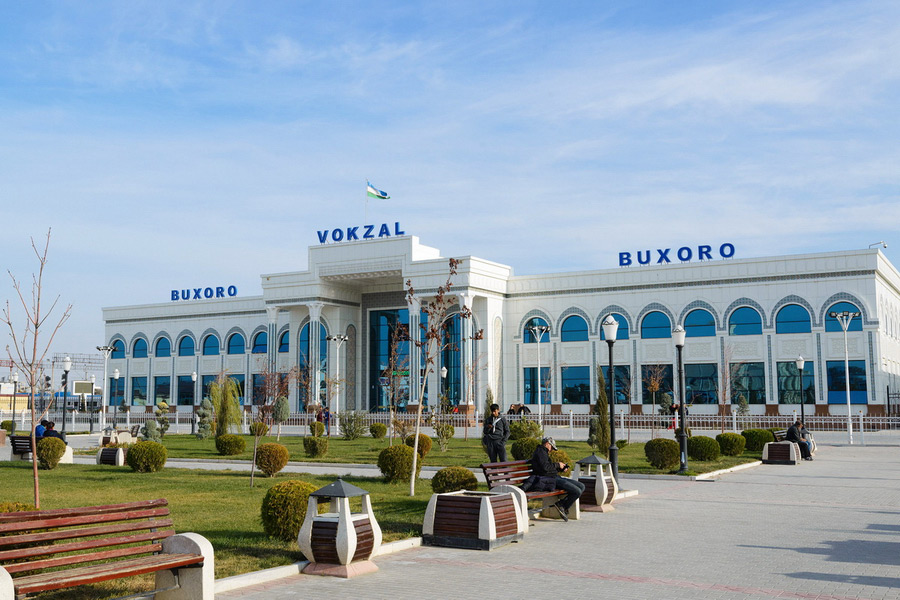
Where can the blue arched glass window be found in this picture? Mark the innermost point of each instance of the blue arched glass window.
(699, 323)
(832, 324)
(656, 325)
(260, 343)
(745, 321)
(284, 344)
(186, 346)
(139, 350)
(574, 329)
(528, 335)
(211, 346)
(236, 344)
(621, 332)
(163, 348)
(793, 318)
(118, 349)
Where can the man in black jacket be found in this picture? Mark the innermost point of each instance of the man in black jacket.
(542, 466)
(794, 435)
(494, 435)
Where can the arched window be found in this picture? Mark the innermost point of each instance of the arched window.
(832, 324)
(528, 334)
(236, 344)
(656, 325)
(699, 323)
(621, 332)
(574, 329)
(163, 348)
(284, 344)
(186, 346)
(139, 350)
(211, 346)
(745, 321)
(118, 349)
(260, 343)
(792, 318)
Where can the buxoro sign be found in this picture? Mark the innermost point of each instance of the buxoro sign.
(206, 293)
(359, 232)
(683, 254)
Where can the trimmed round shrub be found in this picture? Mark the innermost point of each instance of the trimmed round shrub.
(621, 444)
(316, 428)
(525, 428)
(8, 507)
(451, 479)
(49, 451)
(662, 453)
(757, 438)
(561, 456)
(524, 448)
(259, 429)
(284, 509)
(395, 463)
(378, 430)
(271, 458)
(8, 425)
(230, 444)
(701, 447)
(731, 444)
(424, 443)
(146, 457)
(315, 446)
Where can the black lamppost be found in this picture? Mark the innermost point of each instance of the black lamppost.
(800, 362)
(15, 381)
(67, 366)
(610, 327)
(678, 335)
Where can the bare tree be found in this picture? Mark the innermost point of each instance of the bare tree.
(27, 352)
(274, 385)
(398, 364)
(473, 368)
(653, 377)
(728, 372)
(431, 343)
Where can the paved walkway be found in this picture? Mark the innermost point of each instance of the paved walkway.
(827, 529)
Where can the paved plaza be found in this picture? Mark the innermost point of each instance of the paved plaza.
(827, 529)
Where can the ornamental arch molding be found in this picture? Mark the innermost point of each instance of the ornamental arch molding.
(614, 308)
(847, 297)
(749, 302)
(701, 305)
(794, 299)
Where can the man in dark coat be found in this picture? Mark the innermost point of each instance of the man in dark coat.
(542, 466)
(794, 435)
(494, 435)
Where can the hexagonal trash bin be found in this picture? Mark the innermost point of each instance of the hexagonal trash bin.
(473, 520)
(600, 489)
(339, 542)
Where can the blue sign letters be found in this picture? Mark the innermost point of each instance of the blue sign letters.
(684, 254)
(204, 293)
(350, 234)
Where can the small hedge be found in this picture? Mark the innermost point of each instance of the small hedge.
(731, 444)
(452, 479)
(316, 428)
(8, 425)
(757, 438)
(662, 453)
(146, 457)
(271, 458)
(284, 509)
(49, 451)
(524, 448)
(395, 463)
(259, 429)
(315, 446)
(621, 444)
(524, 429)
(378, 430)
(230, 444)
(424, 443)
(561, 456)
(703, 448)
(8, 507)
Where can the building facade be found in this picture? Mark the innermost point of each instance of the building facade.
(747, 322)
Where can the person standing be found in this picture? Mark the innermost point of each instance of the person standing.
(494, 435)
(326, 418)
(542, 466)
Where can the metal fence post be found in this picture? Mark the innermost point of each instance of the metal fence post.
(862, 430)
(734, 422)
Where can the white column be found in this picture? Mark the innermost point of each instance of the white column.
(466, 352)
(272, 346)
(315, 314)
(415, 353)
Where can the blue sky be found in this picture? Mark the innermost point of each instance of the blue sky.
(185, 144)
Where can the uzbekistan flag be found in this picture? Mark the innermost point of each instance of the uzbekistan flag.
(373, 192)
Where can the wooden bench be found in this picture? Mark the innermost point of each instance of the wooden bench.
(508, 476)
(119, 540)
(780, 435)
(20, 444)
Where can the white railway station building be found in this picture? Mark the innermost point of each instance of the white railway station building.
(747, 321)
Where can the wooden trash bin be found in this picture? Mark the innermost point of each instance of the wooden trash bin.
(600, 489)
(781, 453)
(339, 542)
(473, 520)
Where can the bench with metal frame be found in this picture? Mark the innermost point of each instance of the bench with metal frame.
(508, 476)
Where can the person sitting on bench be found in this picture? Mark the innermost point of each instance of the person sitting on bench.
(542, 466)
(793, 435)
(41, 428)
